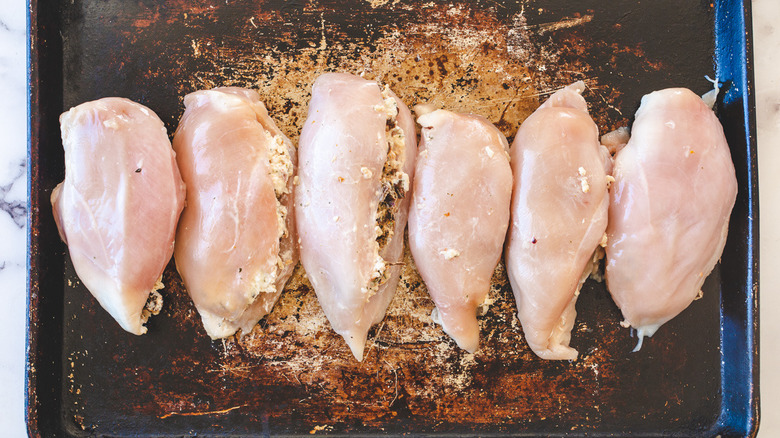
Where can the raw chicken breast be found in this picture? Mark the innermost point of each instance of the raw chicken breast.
(235, 243)
(118, 205)
(357, 154)
(459, 216)
(559, 215)
(670, 206)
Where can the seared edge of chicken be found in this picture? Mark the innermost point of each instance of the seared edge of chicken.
(236, 241)
(459, 215)
(118, 205)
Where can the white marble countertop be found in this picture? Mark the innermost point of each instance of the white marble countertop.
(13, 210)
(13, 194)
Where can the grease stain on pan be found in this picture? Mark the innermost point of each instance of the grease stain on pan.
(439, 61)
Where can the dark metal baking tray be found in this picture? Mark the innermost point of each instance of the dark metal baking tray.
(698, 376)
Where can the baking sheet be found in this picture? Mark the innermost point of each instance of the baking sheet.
(292, 375)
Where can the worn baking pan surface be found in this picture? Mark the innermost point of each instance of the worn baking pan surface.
(292, 375)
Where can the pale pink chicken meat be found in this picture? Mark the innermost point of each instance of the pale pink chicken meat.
(357, 154)
(459, 216)
(670, 206)
(235, 244)
(559, 215)
(118, 205)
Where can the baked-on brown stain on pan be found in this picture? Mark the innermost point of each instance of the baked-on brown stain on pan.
(292, 374)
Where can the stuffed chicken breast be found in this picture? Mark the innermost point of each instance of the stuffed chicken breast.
(357, 154)
(235, 242)
(118, 205)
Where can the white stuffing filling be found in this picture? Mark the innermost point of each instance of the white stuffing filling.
(379, 268)
(280, 165)
(483, 308)
(388, 105)
(281, 219)
(449, 253)
(394, 186)
(264, 282)
(584, 184)
(280, 169)
(153, 304)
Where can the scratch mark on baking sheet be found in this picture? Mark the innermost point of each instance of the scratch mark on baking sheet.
(562, 24)
(323, 41)
(239, 370)
(194, 414)
(603, 99)
(395, 372)
(373, 341)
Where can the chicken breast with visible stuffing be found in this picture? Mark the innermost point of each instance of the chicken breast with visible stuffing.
(118, 205)
(357, 155)
(235, 245)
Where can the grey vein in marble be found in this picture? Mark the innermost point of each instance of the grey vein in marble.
(15, 208)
